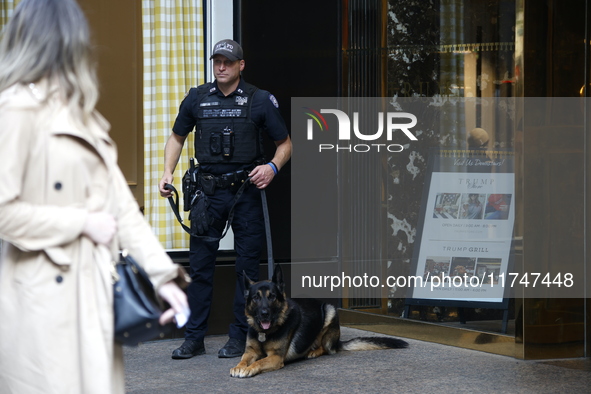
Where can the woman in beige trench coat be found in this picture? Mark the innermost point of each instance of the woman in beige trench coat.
(65, 210)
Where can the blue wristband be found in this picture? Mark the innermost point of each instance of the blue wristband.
(274, 167)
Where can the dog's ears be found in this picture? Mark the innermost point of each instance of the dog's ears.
(247, 284)
(278, 277)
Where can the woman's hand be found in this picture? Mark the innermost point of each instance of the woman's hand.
(179, 305)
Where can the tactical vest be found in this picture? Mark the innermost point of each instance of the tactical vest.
(225, 132)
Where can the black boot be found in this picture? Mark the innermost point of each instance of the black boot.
(233, 348)
(188, 349)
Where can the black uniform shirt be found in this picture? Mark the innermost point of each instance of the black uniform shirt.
(264, 113)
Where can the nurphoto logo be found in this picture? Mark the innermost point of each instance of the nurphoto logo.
(391, 122)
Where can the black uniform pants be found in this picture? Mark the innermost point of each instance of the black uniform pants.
(248, 227)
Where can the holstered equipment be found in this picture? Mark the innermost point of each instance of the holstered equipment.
(190, 184)
(231, 180)
(199, 216)
(196, 187)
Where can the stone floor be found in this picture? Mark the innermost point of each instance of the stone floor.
(422, 368)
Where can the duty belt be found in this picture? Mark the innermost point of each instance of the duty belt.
(227, 180)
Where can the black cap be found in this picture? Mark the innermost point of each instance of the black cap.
(228, 48)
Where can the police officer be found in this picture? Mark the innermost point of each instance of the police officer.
(229, 117)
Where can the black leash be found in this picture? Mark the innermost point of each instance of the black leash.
(174, 204)
(270, 262)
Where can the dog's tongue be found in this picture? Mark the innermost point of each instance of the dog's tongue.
(265, 325)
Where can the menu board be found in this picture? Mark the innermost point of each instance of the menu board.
(466, 227)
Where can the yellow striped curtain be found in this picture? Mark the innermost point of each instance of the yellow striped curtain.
(173, 63)
(6, 8)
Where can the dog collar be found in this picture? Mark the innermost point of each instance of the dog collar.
(262, 337)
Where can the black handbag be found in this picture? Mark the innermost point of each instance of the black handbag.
(136, 309)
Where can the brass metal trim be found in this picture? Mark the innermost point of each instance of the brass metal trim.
(469, 339)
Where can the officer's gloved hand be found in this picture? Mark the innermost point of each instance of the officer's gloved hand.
(199, 215)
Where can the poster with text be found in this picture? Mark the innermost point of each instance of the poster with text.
(466, 232)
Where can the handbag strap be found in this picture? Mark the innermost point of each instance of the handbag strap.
(122, 257)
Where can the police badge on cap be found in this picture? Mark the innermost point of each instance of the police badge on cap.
(228, 48)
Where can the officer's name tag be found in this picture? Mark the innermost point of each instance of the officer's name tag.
(222, 113)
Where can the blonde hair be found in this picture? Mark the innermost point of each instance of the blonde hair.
(50, 39)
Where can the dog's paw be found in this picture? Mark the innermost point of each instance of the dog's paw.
(237, 372)
(315, 353)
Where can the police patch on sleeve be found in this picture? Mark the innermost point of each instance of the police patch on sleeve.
(186, 95)
(274, 100)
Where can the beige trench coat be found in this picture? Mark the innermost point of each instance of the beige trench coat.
(56, 319)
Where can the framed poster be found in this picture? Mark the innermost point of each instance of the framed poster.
(465, 231)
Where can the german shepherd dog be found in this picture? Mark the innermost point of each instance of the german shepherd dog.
(283, 329)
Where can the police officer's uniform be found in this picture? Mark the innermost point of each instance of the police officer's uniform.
(247, 113)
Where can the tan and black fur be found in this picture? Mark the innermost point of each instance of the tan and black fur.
(283, 329)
